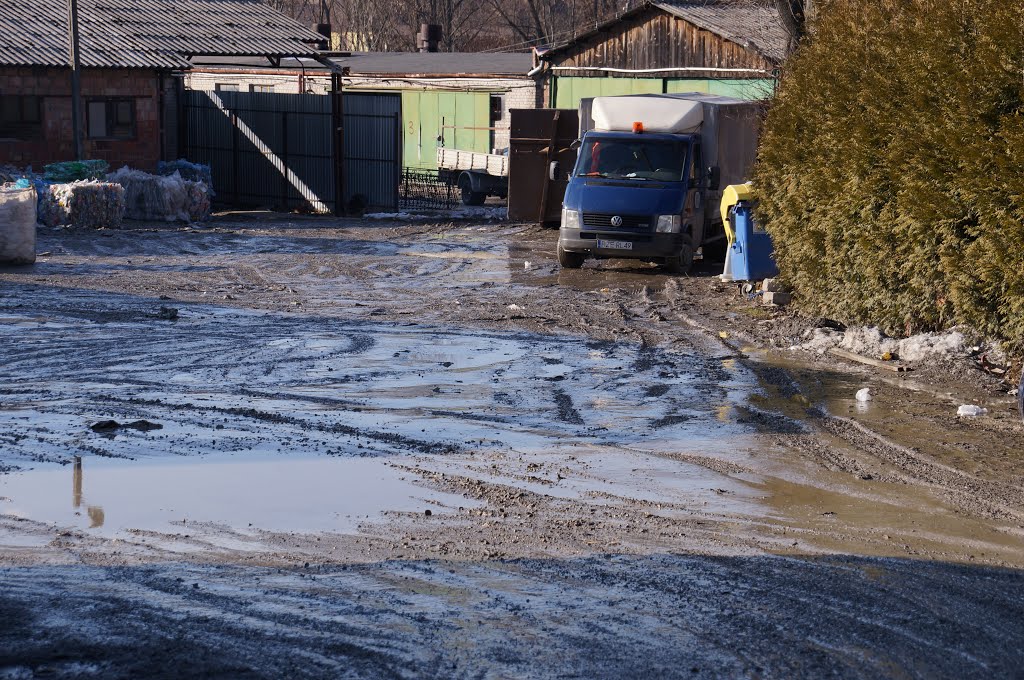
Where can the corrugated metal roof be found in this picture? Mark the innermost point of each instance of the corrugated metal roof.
(437, 63)
(749, 23)
(146, 33)
(305, 64)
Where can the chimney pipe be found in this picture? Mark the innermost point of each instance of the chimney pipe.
(429, 37)
(324, 30)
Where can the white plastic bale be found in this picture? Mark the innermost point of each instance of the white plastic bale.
(17, 226)
(162, 198)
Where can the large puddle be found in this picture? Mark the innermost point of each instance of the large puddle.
(282, 494)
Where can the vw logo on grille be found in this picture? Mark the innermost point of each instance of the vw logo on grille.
(616, 221)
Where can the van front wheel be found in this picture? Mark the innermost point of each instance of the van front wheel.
(569, 260)
(682, 262)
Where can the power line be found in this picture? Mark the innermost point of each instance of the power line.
(531, 43)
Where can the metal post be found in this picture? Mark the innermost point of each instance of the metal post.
(399, 152)
(184, 110)
(76, 72)
(338, 143)
(234, 157)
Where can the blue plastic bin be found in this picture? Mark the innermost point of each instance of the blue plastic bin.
(750, 254)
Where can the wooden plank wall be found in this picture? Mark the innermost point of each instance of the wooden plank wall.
(655, 39)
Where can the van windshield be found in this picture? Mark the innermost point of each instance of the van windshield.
(634, 159)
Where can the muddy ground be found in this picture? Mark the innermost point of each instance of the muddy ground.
(305, 447)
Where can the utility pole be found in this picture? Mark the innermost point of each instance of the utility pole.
(76, 78)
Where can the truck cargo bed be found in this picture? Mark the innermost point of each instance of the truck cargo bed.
(455, 159)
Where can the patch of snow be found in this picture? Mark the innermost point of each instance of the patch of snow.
(933, 345)
(484, 213)
(872, 342)
(971, 411)
(392, 216)
(498, 214)
(868, 342)
(820, 340)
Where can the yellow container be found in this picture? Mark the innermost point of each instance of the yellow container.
(733, 194)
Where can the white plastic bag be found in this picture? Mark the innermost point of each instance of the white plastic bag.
(17, 226)
(971, 411)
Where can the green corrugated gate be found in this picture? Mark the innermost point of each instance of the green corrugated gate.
(461, 119)
(570, 90)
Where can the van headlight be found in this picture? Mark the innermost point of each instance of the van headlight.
(669, 224)
(570, 219)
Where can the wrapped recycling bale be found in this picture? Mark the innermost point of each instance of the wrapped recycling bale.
(198, 201)
(193, 172)
(168, 199)
(17, 224)
(72, 171)
(86, 203)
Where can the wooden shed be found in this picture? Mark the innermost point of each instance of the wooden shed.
(727, 47)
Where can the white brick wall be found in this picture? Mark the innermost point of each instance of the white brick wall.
(285, 83)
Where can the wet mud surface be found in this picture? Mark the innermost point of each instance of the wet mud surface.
(316, 447)
(600, 616)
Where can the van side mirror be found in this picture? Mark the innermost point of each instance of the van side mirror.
(714, 178)
(555, 171)
(576, 144)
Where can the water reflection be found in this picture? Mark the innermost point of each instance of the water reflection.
(95, 512)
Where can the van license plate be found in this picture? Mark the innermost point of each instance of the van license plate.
(617, 245)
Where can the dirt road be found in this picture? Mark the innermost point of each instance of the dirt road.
(313, 448)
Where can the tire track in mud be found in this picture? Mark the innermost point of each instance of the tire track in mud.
(984, 498)
(222, 380)
(991, 499)
(425, 271)
(395, 441)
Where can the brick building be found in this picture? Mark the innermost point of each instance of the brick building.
(132, 57)
(124, 120)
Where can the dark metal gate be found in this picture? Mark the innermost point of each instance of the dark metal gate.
(266, 150)
(278, 151)
(372, 130)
